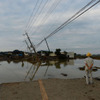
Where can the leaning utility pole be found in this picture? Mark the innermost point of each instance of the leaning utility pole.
(31, 43)
(28, 46)
(47, 44)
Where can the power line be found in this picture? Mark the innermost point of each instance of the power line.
(77, 16)
(40, 12)
(69, 20)
(52, 8)
(80, 10)
(66, 21)
(27, 25)
(35, 15)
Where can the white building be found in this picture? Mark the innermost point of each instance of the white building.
(52, 55)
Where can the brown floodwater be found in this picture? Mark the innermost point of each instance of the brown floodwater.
(17, 71)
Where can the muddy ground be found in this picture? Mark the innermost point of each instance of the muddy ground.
(55, 89)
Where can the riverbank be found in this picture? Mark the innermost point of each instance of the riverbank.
(55, 89)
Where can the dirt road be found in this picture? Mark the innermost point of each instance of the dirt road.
(51, 89)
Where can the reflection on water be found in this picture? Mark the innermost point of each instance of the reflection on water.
(13, 71)
(34, 71)
(93, 69)
(57, 64)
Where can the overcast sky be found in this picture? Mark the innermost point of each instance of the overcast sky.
(46, 16)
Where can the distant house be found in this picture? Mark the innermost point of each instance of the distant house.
(64, 53)
(18, 53)
(1, 54)
(70, 54)
(52, 55)
(44, 52)
(9, 53)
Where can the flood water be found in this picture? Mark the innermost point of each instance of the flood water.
(16, 71)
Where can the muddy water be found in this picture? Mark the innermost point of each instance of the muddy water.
(16, 71)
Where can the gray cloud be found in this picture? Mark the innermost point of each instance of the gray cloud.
(83, 32)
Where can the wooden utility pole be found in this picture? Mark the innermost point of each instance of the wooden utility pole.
(31, 43)
(28, 46)
(47, 44)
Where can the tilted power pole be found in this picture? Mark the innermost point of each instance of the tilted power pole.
(28, 46)
(47, 44)
(31, 43)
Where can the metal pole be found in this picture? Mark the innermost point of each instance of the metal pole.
(47, 44)
(28, 46)
(31, 43)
